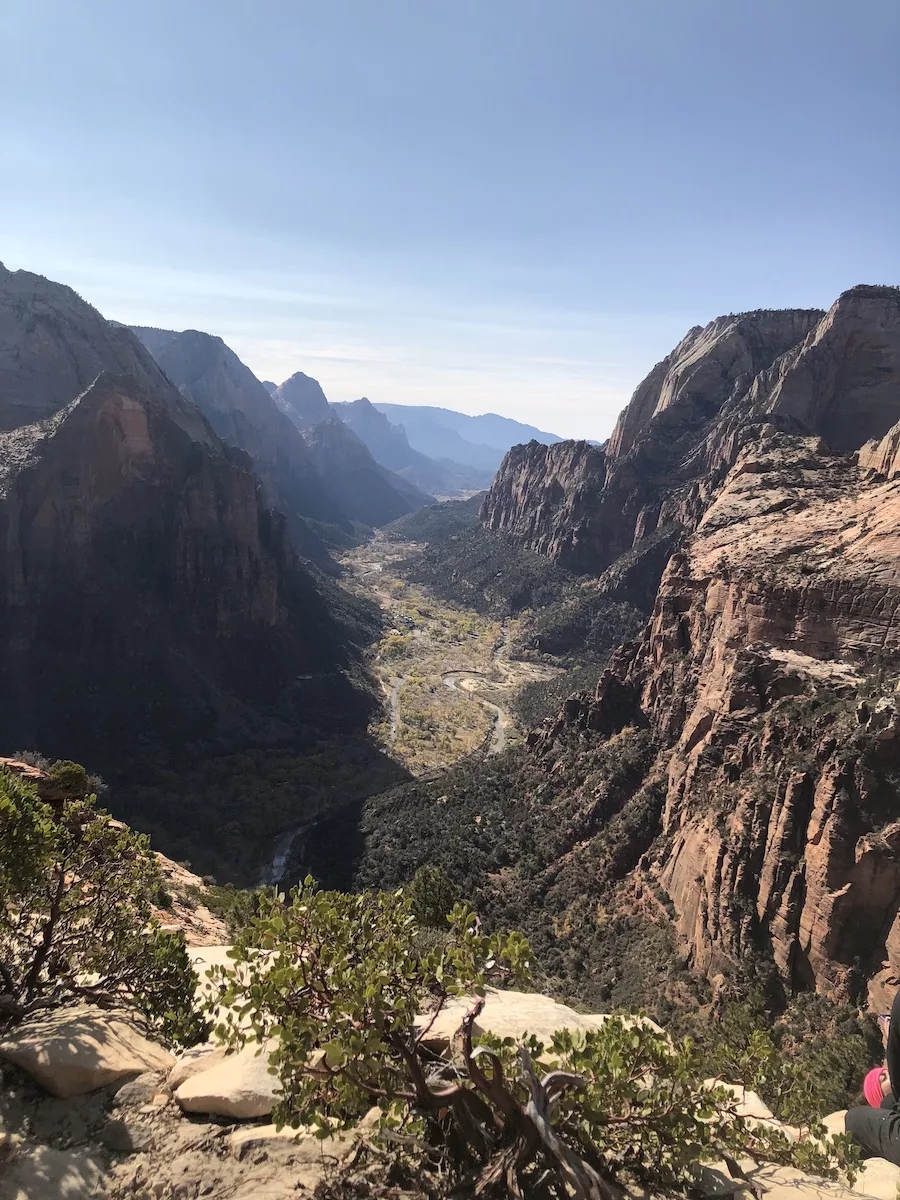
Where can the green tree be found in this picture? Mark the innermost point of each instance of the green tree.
(76, 892)
(434, 895)
(331, 984)
(71, 777)
(808, 1059)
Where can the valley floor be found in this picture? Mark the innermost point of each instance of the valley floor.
(445, 671)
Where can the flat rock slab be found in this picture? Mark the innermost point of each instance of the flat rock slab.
(878, 1177)
(47, 1174)
(191, 1062)
(238, 1086)
(514, 1014)
(76, 1050)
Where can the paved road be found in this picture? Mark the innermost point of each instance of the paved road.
(457, 680)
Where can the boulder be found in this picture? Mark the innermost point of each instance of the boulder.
(307, 1147)
(238, 1086)
(513, 1014)
(44, 1173)
(191, 1062)
(76, 1050)
(137, 1092)
(834, 1122)
(878, 1177)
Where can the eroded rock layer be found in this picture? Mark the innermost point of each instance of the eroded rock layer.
(767, 675)
(149, 599)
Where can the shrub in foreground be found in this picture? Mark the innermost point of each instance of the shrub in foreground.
(76, 894)
(336, 982)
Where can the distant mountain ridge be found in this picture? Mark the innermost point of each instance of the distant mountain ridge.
(390, 446)
(301, 398)
(306, 479)
(479, 441)
(206, 371)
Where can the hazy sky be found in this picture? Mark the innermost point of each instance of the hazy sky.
(494, 205)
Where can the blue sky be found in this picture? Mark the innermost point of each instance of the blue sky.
(496, 205)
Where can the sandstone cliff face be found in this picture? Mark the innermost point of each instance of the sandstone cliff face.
(780, 827)
(831, 374)
(882, 457)
(53, 345)
(148, 597)
(551, 499)
(243, 414)
(841, 381)
(590, 506)
(706, 368)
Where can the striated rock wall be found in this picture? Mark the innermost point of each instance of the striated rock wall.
(835, 375)
(710, 364)
(882, 457)
(781, 824)
(243, 413)
(149, 599)
(53, 345)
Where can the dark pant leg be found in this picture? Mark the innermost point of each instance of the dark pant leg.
(893, 1046)
(876, 1130)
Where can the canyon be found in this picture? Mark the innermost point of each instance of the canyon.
(186, 554)
(733, 780)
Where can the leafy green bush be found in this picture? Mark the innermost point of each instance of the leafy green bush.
(434, 895)
(76, 894)
(332, 978)
(810, 1058)
(71, 777)
(235, 906)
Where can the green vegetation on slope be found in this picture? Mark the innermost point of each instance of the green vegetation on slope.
(436, 522)
(560, 618)
(537, 844)
(76, 897)
(487, 571)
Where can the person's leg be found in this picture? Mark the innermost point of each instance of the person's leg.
(892, 1056)
(876, 1130)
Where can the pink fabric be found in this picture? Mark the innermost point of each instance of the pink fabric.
(872, 1087)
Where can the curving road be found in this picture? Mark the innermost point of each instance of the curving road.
(457, 680)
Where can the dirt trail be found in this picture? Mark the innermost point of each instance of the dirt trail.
(392, 702)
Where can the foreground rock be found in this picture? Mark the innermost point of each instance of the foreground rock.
(77, 1050)
(511, 1014)
(238, 1086)
(44, 1173)
(191, 1062)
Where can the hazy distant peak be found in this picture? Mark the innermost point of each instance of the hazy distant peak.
(301, 398)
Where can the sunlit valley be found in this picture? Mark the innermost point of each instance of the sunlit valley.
(449, 577)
